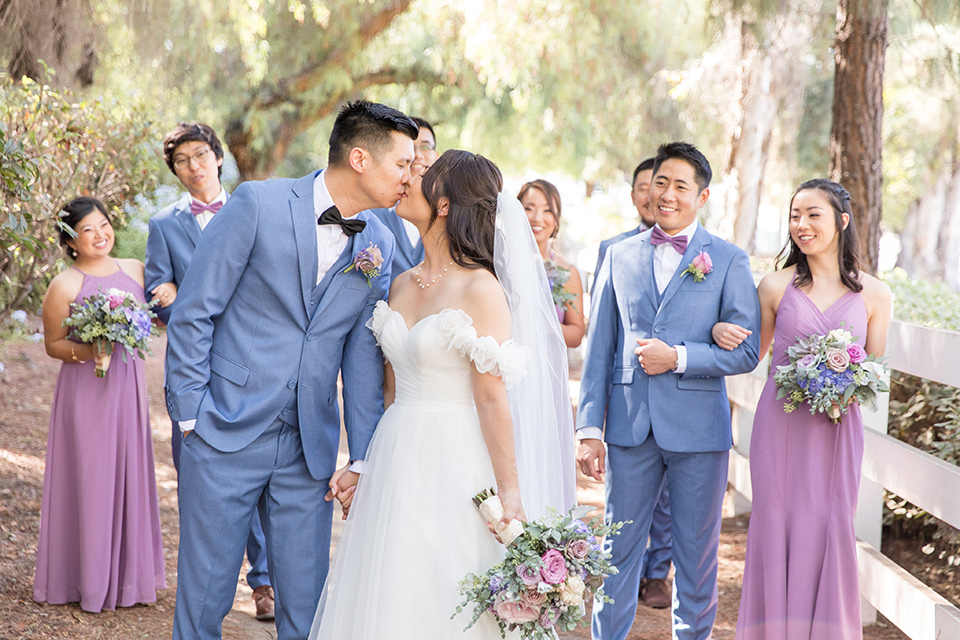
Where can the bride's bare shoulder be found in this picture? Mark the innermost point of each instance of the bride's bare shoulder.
(484, 301)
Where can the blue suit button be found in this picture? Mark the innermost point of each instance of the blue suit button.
(292, 384)
(312, 301)
(285, 412)
(658, 329)
(310, 337)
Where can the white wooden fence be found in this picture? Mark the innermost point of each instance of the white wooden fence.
(924, 480)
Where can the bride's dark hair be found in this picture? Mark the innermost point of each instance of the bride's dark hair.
(471, 183)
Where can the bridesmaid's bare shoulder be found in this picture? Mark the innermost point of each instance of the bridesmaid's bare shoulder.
(774, 285)
(876, 294)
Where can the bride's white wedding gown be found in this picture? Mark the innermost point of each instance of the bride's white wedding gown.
(413, 532)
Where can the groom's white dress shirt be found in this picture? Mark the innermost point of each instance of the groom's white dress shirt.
(666, 261)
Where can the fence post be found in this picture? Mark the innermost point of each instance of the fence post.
(869, 518)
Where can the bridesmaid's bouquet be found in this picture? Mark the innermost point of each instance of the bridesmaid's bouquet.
(552, 567)
(830, 372)
(557, 278)
(114, 316)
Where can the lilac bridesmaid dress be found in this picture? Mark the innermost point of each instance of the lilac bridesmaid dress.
(800, 581)
(100, 541)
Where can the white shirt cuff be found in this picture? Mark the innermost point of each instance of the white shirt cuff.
(356, 466)
(681, 358)
(586, 433)
(187, 426)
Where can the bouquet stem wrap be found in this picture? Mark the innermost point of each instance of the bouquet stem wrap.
(492, 511)
(101, 369)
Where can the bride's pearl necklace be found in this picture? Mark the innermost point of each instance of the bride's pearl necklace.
(435, 278)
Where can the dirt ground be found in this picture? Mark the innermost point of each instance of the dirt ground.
(26, 389)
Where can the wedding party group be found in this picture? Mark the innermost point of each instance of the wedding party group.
(401, 296)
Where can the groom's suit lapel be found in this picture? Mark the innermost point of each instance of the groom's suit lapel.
(700, 240)
(305, 230)
(335, 278)
(645, 266)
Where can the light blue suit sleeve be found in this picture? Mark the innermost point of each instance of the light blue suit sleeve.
(362, 367)
(738, 304)
(601, 351)
(158, 267)
(215, 270)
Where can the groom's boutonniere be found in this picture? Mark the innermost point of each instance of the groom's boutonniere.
(367, 261)
(701, 266)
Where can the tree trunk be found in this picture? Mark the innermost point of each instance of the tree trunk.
(856, 136)
(948, 251)
(749, 146)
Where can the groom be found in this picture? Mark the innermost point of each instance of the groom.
(267, 318)
(653, 373)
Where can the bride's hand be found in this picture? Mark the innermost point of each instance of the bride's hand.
(342, 485)
(512, 510)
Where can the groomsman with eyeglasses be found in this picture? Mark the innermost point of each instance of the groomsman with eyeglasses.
(194, 154)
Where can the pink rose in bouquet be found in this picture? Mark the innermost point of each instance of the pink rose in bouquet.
(529, 576)
(856, 353)
(115, 298)
(549, 618)
(838, 360)
(554, 570)
(578, 549)
(533, 597)
(515, 611)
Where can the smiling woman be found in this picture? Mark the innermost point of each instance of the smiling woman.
(541, 202)
(99, 521)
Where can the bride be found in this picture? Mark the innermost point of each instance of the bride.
(476, 396)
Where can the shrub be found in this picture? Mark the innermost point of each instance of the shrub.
(54, 149)
(924, 414)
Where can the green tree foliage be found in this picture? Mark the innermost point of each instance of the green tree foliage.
(55, 149)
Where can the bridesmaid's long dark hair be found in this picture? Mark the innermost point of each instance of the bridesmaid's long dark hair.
(848, 243)
(471, 183)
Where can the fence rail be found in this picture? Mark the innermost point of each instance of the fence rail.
(927, 481)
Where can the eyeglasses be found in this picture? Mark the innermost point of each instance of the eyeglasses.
(199, 157)
(426, 146)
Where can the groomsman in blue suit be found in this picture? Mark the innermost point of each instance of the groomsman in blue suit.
(194, 154)
(409, 245)
(640, 195)
(655, 569)
(271, 312)
(653, 374)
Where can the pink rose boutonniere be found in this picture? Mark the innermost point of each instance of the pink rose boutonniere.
(701, 266)
(367, 261)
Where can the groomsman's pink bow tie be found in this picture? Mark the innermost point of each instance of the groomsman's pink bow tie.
(196, 208)
(659, 237)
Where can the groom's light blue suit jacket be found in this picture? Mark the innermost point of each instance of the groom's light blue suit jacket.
(686, 412)
(254, 338)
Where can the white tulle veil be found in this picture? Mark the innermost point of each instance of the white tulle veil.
(540, 402)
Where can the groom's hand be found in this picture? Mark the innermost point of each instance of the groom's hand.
(655, 356)
(590, 457)
(342, 485)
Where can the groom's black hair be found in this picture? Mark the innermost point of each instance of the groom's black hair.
(367, 125)
(689, 154)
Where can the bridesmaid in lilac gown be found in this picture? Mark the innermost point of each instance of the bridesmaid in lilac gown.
(801, 579)
(100, 539)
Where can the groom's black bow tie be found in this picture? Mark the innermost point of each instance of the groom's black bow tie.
(350, 227)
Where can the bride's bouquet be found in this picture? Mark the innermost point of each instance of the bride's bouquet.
(552, 567)
(114, 316)
(830, 372)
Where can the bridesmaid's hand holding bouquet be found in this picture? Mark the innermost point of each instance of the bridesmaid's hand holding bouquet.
(114, 316)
